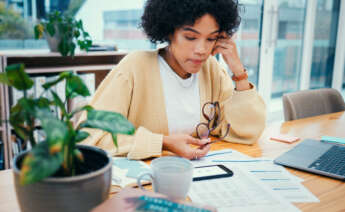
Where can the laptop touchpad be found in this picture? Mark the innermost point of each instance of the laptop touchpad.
(304, 153)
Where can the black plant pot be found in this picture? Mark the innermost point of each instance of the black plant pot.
(66, 194)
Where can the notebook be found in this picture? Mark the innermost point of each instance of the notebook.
(321, 158)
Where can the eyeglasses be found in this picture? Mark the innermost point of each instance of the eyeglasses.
(211, 112)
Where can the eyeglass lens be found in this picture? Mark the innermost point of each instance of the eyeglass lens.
(209, 111)
(203, 131)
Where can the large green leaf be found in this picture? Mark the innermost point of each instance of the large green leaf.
(22, 132)
(17, 120)
(17, 114)
(66, 74)
(39, 164)
(72, 47)
(111, 122)
(81, 135)
(52, 83)
(76, 87)
(77, 110)
(56, 131)
(24, 112)
(38, 29)
(58, 102)
(42, 102)
(17, 77)
(28, 106)
(63, 47)
(50, 27)
(3, 78)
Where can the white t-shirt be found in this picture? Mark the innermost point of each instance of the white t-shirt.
(182, 99)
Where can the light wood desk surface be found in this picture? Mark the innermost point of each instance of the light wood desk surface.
(330, 192)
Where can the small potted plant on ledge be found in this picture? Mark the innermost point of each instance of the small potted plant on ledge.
(63, 33)
(57, 174)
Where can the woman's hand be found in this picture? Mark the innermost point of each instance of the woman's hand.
(180, 145)
(226, 46)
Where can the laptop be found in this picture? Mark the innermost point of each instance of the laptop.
(317, 157)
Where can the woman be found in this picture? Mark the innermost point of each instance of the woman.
(163, 92)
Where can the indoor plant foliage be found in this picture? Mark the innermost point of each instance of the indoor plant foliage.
(67, 31)
(58, 155)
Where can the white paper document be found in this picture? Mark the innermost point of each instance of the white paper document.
(281, 181)
(125, 172)
(241, 192)
(275, 177)
(226, 154)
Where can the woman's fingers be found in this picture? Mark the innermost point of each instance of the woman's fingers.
(221, 45)
(196, 141)
(201, 152)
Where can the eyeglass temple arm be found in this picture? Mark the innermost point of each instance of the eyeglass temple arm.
(221, 138)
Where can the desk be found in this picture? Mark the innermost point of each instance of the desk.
(330, 192)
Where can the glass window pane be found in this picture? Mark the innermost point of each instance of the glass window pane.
(16, 32)
(325, 35)
(107, 22)
(115, 24)
(2, 161)
(247, 38)
(288, 50)
(344, 83)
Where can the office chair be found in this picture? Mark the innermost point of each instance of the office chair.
(306, 103)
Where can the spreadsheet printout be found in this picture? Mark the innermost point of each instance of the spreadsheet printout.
(241, 192)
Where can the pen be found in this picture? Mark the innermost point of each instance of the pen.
(221, 161)
(218, 153)
(277, 189)
(274, 179)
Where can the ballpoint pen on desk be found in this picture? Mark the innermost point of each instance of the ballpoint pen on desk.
(250, 160)
(218, 153)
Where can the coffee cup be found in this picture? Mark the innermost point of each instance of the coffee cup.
(171, 176)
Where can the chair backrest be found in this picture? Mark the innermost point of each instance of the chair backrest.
(306, 103)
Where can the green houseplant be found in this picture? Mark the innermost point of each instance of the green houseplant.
(58, 166)
(63, 33)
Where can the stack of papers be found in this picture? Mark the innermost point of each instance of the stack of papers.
(241, 192)
(281, 181)
(125, 172)
(256, 182)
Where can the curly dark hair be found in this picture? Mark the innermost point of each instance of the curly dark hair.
(162, 17)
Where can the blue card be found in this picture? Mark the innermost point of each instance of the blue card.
(331, 139)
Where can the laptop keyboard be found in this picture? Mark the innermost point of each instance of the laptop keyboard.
(332, 161)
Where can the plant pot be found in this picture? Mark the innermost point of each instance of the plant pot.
(53, 41)
(78, 193)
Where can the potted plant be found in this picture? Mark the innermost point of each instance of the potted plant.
(57, 174)
(63, 33)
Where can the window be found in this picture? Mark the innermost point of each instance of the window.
(122, 27)
(114, 23)
(107, 22)
(325, 35)
(344, 83)
(248, 37)
(288, 49)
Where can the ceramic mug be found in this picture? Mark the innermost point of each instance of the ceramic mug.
(171, 176)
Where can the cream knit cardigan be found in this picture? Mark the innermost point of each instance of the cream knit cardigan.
(134, 89)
